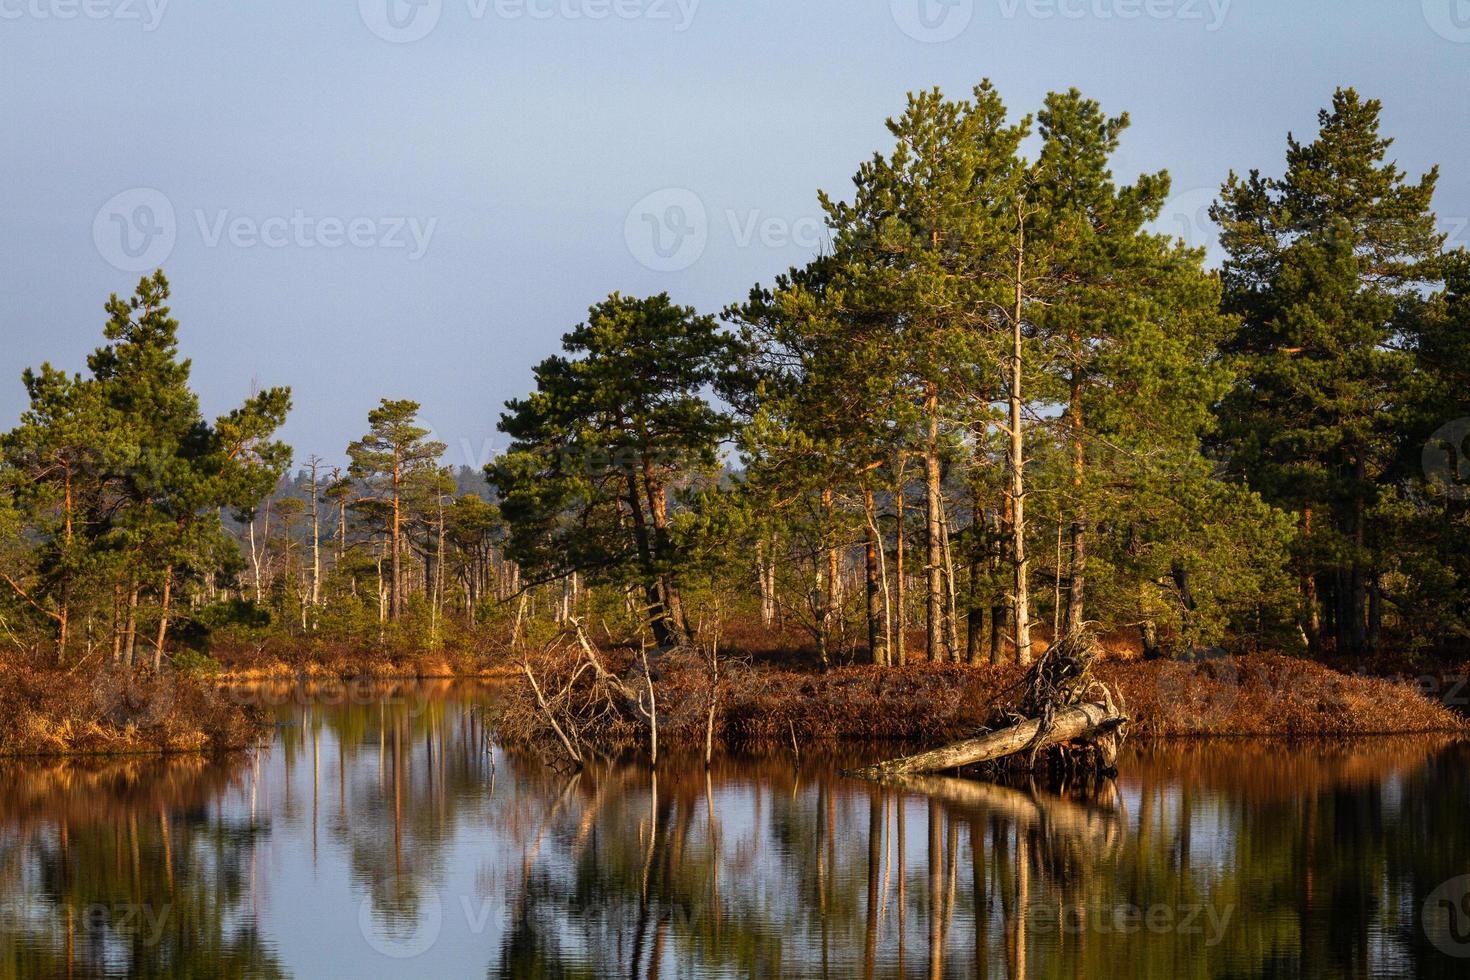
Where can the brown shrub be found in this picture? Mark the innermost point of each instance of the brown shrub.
(113, 710)
(934, 703)
(1270, 695)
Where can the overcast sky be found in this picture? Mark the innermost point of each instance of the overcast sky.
(415, 198)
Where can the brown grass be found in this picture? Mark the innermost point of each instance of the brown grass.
(1260, 695)
(115, 711)
(1270, 695)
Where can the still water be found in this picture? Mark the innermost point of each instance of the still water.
(380, 833)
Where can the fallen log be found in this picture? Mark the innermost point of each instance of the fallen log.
(1085, 722)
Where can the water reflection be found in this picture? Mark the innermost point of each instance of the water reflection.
(380, 834)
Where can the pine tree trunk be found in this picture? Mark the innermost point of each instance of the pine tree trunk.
(438, 603)
(768, 611)
(1148, 634)
(951, 598)
(254, 560)
(117, 624)
(900, 641)
(1000, 607)
(166, 606)
(975, 610)
(395, 593)
(829, 612)
(316, 546)
(1375, 613)
(872, 549)
(63, 618)
(1021, 600)
(656, 612)
(933, 566)
(1312, 626)
(382, 590)
(63, 624)
(1077, 577)
(1358, 600)
(130, 630)
(658, 507)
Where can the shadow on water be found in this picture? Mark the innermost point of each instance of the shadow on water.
(379, 833)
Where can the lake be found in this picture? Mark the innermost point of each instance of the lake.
(380, 832)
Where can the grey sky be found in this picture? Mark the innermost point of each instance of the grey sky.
(530, 149)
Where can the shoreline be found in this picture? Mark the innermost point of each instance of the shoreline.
(1248, 697)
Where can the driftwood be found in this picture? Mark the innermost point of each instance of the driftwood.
(1083, 722)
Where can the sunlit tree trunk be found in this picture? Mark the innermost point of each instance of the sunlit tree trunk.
(653, 599)
(900, 592)
(832, 615)
(1077, 573)
(1016, 461)
(163, 618)
(951, 600)
(877, 584)
(130, 629)
(975, 606)
(934, 558)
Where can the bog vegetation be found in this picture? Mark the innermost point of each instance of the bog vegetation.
(999, 409)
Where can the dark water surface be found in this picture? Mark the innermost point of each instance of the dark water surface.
(378, 835)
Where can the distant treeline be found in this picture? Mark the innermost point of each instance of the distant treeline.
(998, 406)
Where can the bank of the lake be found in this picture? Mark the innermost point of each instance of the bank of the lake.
(116, 712)
(1259, 695)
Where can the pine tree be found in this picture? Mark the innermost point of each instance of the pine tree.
(1327, 266)
(598, 446)
(915, 252)
(54, 465)
(1129, 335)
(123, 477)
(394, 450)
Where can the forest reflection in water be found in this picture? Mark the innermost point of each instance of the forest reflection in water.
(380, 834)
